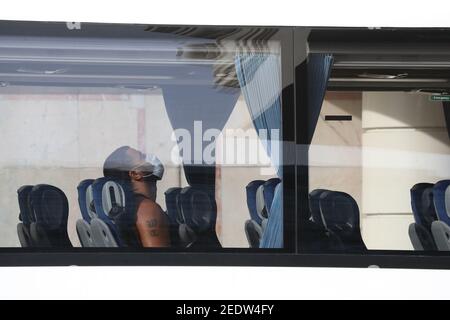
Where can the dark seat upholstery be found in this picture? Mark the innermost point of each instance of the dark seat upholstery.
(253, 232)
(116, 209)
(422, 238)
(315, 237)
(174, 214)
(250, 190)
(23, 228)
(340, 217)
(44, 212)
(424, 215)
(198, 217)
(86, 203)
(314, 206)
(91, 230)
(264, 199)
(441, 229)
(260, 194)
(253, 229)
(269, 191)
(439, 199)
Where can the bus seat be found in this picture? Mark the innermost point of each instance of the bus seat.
(198, 218)
(114, 206)
(261, 207)
(421, 238)
(263, 199)
(25, 213)
(269, 191)
(101, 235)
(50, 215)
(86, 203)
(86, 199)
(253, 230)
(314, 206)
(340, 214)
(439, 191)
(441, 229)
(250, 190)
(173, 213)
(91, 231)
(447, 200)
(84, 233)
(424, 213)
(314, 234)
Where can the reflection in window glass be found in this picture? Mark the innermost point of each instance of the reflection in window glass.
(171, 141)
(379, 170)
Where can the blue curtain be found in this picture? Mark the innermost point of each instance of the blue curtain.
(259, 76)
(273, 234)
(319, 69)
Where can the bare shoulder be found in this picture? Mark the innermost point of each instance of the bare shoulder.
(152, 225)
(150, 209)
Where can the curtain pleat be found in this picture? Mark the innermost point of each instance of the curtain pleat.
(259, 76)
(319, 69)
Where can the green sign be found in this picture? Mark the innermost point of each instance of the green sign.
(437, 97)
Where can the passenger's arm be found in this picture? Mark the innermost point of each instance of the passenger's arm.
(152, 225)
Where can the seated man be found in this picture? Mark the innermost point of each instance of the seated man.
(142, 171)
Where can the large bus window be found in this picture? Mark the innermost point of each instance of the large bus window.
(379, 171)
(168, 140)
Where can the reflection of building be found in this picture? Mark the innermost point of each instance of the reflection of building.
(62, 136)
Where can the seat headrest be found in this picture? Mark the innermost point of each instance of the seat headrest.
(251, 189)
(314, 206)
(111, 197)
(261, 209)
(173, 210)
(86, 200)
(423, 205)
(23, 196)
(198, 209)
(269, 191)
(439, 190)
(115, 205)
(340, 212)
(50, 206)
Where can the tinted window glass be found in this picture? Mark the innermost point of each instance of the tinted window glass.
(169, 140)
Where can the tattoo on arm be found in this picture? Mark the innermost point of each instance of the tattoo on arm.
(153, 223)
(154, 233)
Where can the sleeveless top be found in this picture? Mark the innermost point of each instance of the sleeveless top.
(126, 223)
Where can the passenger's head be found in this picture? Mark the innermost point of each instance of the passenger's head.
(126, 163)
